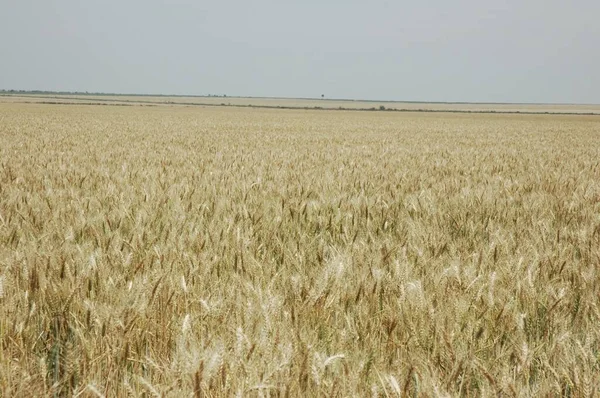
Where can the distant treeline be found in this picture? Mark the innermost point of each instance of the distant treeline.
(5, 91)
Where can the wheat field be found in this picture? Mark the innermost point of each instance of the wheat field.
(205, 252)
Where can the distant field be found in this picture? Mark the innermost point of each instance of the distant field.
(308, 103)
(219, 251)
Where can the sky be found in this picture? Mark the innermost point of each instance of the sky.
(431, 50)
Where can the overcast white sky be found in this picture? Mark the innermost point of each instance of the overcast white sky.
(436, 50)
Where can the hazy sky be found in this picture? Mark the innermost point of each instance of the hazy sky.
(436, 50)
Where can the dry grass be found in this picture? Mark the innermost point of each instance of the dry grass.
(215, 252)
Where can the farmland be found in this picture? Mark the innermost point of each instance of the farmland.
(297, 103)
(219, 251)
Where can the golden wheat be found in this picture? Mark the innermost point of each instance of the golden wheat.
(217, 251)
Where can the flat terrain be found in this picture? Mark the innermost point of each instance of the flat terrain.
(215, 251)
(301, 103)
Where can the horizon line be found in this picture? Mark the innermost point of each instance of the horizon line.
(14, 91)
